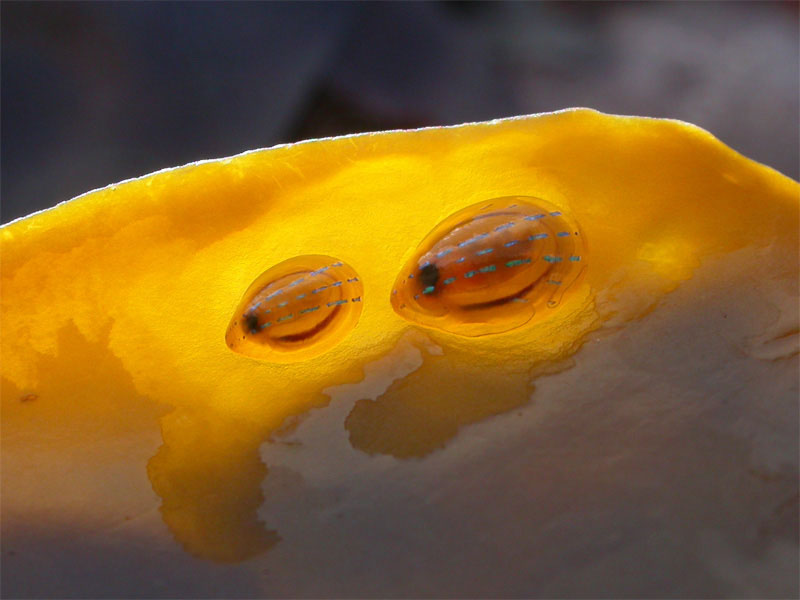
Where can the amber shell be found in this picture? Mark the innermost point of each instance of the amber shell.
(296, 310)
(492, 267)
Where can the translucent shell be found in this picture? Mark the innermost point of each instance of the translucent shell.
(491, 267)
(296, 310)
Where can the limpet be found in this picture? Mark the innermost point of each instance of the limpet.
(296, 310)
(491, 267)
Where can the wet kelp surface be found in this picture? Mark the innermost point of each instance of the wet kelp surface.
(640, 439)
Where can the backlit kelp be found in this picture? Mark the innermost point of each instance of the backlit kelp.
(115, 308)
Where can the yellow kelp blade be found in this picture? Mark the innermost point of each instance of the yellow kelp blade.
(115, 307)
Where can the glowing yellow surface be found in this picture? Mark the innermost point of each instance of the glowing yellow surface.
(117, 302)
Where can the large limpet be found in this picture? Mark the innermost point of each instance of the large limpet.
(491, 267)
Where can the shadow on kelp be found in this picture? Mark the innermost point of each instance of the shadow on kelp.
(209, 473)
(423, 411)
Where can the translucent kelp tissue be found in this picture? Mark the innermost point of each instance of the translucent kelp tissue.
(534, 353)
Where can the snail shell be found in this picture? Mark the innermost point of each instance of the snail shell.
(491, 267)
(296, 310)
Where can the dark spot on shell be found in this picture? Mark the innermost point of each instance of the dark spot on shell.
(429, 275)
(251, 322)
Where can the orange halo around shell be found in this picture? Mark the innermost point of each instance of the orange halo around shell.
(296, 310)
(491, 267)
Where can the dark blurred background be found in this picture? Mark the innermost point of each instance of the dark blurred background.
(94, 92)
